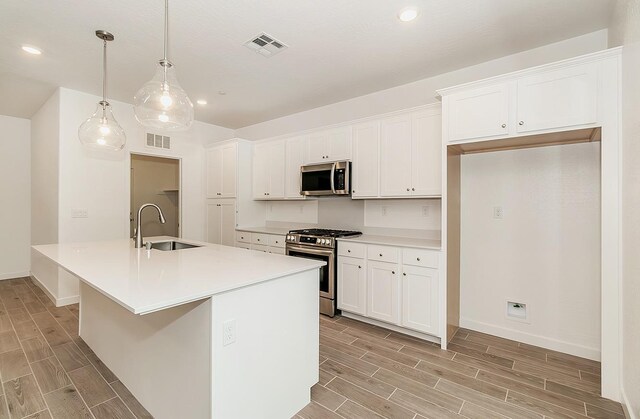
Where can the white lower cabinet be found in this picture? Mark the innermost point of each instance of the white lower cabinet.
(221, 221)
(420, 299)
(262, 242)
(383, 291)
(395, 285)
(352, 286)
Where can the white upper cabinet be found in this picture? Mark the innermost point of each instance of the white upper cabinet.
(221, 171)
(410, 154)
(479, 113)
(560, 98)
(553, 98)
(269, 170)
(365, 166)
(295, 156)
(329, 145)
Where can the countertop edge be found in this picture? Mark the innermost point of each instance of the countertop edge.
(392, 241)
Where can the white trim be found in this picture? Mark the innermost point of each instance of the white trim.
(13, 275)
(626, 406)
(59, 302)
(531, 339)
(392, 327)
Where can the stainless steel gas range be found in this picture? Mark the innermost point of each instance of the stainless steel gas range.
(320, 244)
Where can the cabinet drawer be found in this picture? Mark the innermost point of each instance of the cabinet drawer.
(260, 248)
(276, 241)
(277, 250)
(354, 250)
(259, 238)
(243, 237)
(243, 246)
(421, 257)
(383, 253)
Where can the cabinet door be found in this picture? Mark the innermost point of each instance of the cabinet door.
(227, 223)
(317, 149)
(365, 166)
(339, 144)
(214, 225)
(260, 173)
(395, 156)
(228, 170)
(420, 299)
(479, 113)
(426, 154)
(295, 154)
(214, 172)
(383, 291)
(276, 170)
(558, 99)
(352, 285)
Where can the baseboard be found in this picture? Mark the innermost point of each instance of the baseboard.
(392, 327)
(531, 339)
(626, 406)
(59, 302)
(13, 275)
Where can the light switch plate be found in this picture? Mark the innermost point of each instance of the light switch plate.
(80, 213)
(228, 332)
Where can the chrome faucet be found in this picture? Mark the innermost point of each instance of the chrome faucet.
(138, 231)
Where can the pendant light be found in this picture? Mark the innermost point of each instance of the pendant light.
(161, 103)
(101, 130)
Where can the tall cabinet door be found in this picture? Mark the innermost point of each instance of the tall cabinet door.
(214, 225)
(395, 156)
(295, 149)
(426, 153)
(420, 299)
(214, 172)
(228, 170)
(227, 222)
(276, 169)
(260, 173)
(383, 291)
(352, 285)
(479, 113)
(366, 169)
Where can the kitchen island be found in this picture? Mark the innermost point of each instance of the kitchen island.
(209, 331)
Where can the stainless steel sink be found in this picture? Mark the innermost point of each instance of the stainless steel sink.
(172, 245)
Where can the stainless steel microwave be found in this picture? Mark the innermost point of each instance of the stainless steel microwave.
(325, 179)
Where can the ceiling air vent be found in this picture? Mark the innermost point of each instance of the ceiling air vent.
(158, 141)
(265, 45)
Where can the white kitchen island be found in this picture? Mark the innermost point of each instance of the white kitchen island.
(212, 331)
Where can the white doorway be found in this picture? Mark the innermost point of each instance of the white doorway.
(155, 180)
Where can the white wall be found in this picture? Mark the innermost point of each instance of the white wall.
(99, 182)
(626, 28)
(15, 187)
(45, 127)
(422, 91)
(544, 252)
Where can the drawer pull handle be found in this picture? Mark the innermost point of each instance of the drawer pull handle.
(521, 123)
(348, 250)
(393, 272)
(403, 273)
(380, 254)
(504, 125)
(418, 259)
(359, 267)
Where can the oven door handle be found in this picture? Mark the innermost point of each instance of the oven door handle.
(302, 249)
(333, 175)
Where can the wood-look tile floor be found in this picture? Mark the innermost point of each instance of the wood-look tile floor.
(46, 369)
(370, 372)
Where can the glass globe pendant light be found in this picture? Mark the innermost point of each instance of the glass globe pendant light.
(102, 131)
(161, 103)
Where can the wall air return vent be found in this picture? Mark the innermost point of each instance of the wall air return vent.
(265, 45)
(158, 141)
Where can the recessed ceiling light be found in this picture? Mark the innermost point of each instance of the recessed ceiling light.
(408, 14)
(222, 92)
(31, 49)
(201, 102)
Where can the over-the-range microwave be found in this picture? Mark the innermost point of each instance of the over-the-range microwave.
(326, 179)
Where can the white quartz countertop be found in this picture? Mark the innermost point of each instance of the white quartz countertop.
(265, 230)
(395, 241)
(144, 281)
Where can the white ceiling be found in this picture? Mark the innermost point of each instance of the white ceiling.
(338, 49)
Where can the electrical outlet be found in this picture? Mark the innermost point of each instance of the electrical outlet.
(425, 211)
(384, 210)
(498, 213)
(80, 213)
(228, 332)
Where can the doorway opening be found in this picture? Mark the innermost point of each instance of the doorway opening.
(155, 180)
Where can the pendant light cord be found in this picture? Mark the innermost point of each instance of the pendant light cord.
(166, 28)
(104, 72)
